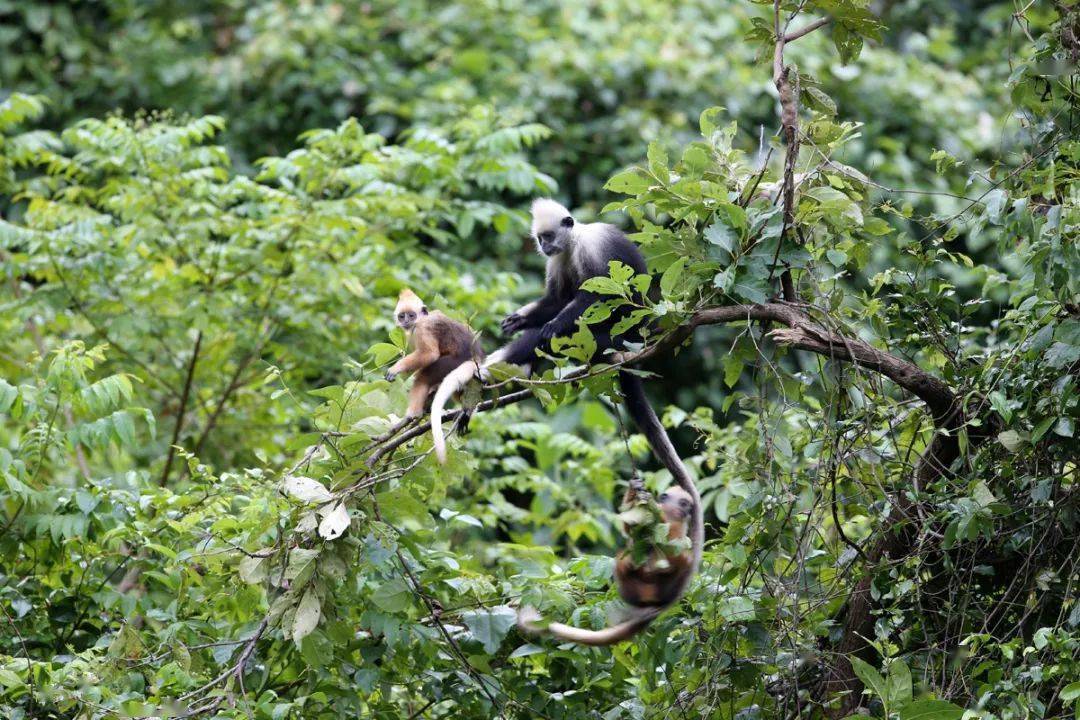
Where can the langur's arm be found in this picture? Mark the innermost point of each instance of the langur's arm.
(566, 317)
(426, 352)
(534, 314)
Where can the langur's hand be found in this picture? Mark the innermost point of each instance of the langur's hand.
(391, 375)
(550, 330)
(512, 323)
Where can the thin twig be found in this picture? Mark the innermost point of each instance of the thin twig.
(182, 411)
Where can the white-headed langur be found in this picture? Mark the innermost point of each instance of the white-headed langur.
(576, 252)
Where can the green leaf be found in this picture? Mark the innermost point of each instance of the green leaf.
(603, 286)
(1061, 355)
(253, 570)
(490, 625)
(633, 318)
(722, 236)
(733, 367)
(307, 616)
(658, 161)
(525, 650)
(1010, 439)
(8, 393)
(695, 160)
(870, 677)
(848, 43)
(301, 565)
(392, 596)
(899, 684)
(1070, 692)
(995, 203)
(629, 182)
(820, 100)
(671, 277)
(707, 121)
(737, 608)
(382, 353)
(931, 710)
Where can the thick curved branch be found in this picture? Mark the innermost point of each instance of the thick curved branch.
(802, 333)
(799, 331)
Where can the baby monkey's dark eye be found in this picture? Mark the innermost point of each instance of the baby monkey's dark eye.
(684, 503)
(663, 497)
(547, 236)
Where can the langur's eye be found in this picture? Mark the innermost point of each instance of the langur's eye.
(663, 497)
(547, 236)
(684, 503)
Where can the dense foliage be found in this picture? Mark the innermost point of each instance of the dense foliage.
(864, 324)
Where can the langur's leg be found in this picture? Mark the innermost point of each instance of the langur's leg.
(417, 397)
(435, 373)
(519, 351)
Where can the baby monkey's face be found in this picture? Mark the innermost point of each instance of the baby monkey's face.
(409, 309)
(675, 504)
(406, 318)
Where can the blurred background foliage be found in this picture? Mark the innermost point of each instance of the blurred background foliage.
(208, 209)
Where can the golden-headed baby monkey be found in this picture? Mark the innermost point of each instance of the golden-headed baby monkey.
(650, 587)
(438, 343)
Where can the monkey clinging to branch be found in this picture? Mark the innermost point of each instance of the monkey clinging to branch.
(439, 345)
(649, 584)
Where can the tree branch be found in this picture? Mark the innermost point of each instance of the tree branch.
(795, 35)
(789, 126)
(184, 395)
(800, 332)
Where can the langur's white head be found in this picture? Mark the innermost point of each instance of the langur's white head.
(409, 309)
(551, 226)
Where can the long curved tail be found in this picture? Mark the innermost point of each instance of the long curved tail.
(645, 418)
(453, 383)
(528, 618)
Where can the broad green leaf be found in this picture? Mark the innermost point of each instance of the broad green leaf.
(253, 570)
(630, 182)
(870, 677)
(393, 596)
(899, 684)
(490, 625)
(307, 616)
(670, 279)
(721, 235)
(931, 710)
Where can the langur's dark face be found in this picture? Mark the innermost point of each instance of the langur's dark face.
(553, 240)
